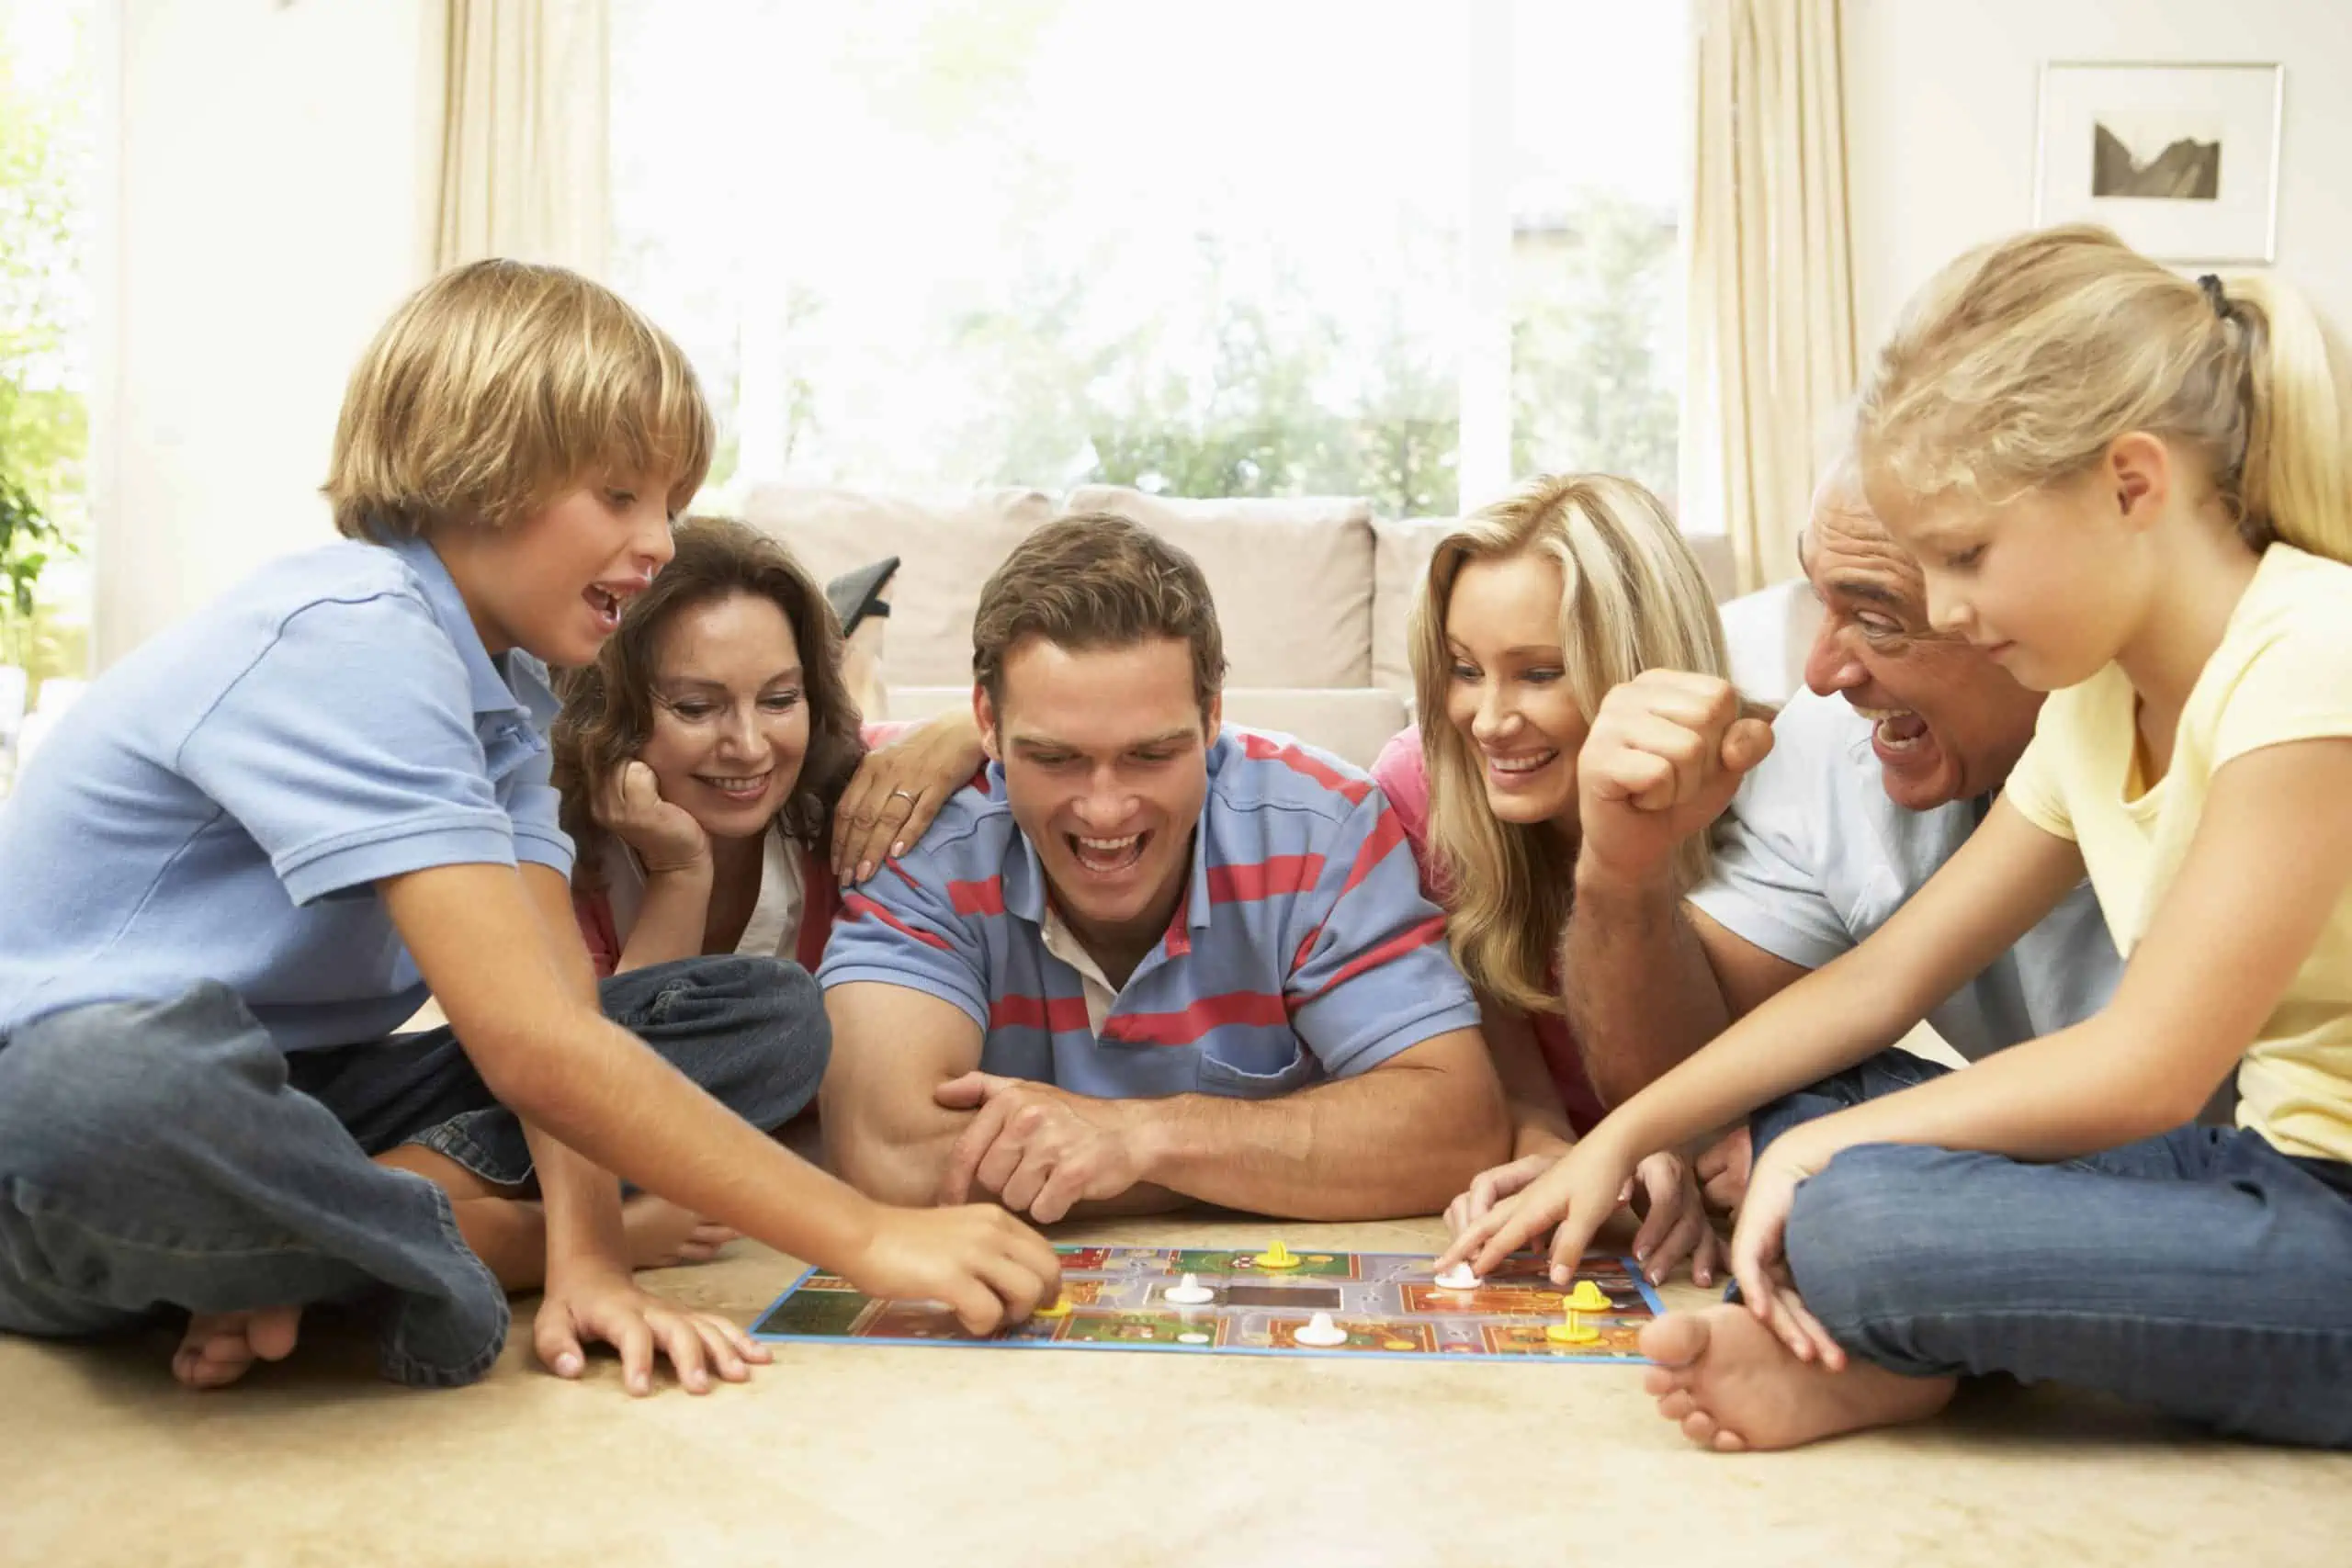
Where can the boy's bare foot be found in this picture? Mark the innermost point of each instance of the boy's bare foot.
(221, 1346)
(662, 1235)
(1732, 1385)
(509, 1235)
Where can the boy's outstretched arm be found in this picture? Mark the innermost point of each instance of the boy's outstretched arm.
(590, 1292)
(475, 933)
(583, 1199)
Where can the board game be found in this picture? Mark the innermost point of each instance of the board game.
(1344, 1304)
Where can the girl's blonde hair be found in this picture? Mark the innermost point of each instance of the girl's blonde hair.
(2019, 364)
(1631, 598)
(500, 386)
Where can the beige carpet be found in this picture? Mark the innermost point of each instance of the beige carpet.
(868, 1455)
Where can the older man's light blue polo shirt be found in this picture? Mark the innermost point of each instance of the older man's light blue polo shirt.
(1813, 857)
(221, 804)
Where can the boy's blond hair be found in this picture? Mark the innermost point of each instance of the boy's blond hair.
(2019, 364)
(499, 387)
(1631, 598)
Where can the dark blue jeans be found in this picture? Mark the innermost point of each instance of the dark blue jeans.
(2203, 1273)
(166, 1154)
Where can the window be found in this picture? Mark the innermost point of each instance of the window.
(1401, 250)
(47, 151)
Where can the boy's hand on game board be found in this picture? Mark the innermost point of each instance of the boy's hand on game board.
(628, 803)
(1674, 1221)
(1040, 1149)
(987, 1266)
(603, 1305)
(1577, 1194)
(1757, 1260)
(1492, 1186)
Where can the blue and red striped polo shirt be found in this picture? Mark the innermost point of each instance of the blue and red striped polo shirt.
(1303, 948)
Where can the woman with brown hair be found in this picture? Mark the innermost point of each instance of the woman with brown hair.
(705, 755)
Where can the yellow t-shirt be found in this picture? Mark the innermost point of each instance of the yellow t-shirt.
(2283, 672)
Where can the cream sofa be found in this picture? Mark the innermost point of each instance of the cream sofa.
(1311, 592)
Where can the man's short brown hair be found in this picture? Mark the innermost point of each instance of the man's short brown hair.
(1096, 581)
(498, 388)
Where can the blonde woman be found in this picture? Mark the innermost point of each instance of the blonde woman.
(1529, 612)
(2131, 491)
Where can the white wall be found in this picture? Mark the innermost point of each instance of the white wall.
(1941, 104)
(258, 223)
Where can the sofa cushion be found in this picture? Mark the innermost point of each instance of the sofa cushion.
(1352, 722)
(946, 548)
(1291, 579)
(1400, 560)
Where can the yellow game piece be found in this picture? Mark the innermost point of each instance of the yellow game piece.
(1278, 1257)
(1571, 1329)
(1060, 1309)
(1589, 1297)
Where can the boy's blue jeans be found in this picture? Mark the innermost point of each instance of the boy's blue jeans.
(166, 1154)
(2203, 1273)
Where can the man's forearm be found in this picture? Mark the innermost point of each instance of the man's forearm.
(907, 1168)
(1394, 1142)
(1640, 993)
(902, 1166)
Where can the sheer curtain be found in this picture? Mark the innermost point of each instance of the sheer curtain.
(515, 161)
(1771, 304)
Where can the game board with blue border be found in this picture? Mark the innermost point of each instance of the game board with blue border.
(1386, 1303)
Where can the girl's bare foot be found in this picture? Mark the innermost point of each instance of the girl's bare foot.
(662, 1235)
(221, 1346)
(1730, 1384)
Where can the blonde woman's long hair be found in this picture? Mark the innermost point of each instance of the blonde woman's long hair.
(1633, 597)
(2019, 364)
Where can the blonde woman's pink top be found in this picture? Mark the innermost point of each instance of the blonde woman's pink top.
(1402, 773)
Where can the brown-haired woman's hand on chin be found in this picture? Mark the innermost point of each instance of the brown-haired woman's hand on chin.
(898, 790)
(630, 806)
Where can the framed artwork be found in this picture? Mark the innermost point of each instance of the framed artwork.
(2180, 159)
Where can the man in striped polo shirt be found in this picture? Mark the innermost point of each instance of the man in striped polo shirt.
(1146, 960)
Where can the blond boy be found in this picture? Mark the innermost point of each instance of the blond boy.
(259, 841)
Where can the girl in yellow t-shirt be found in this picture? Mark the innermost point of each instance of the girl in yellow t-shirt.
(2134, 491)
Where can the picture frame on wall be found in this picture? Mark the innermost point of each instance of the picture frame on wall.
(2181, 160)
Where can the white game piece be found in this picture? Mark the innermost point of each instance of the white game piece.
(1189, 1293)
(1458, 1278)
(1195, 1337)
(1321, 1332)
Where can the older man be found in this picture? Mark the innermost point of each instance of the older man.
(1870, 783)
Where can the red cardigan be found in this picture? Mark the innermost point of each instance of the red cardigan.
(820, 904)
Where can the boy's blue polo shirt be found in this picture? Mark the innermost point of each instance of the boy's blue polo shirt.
(221, 804)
